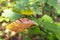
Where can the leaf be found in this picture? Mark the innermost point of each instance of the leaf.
(19, 6)
(58, 24)
(52, 27)
(36, 4)
(42, 0)
(51, 36)
(37, 0)
(37, 11)
(34, 30)
(27, 12)
(48, 9)
(6, 19)
(46, 18)
(49, 26)
(3, 19)
(52, 2)
(27, 38)
(57, 9)
(22, 4)
(11, 15)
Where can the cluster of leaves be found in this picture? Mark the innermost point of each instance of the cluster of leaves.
(46, 27)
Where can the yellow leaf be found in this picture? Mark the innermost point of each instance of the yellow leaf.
(27, 12)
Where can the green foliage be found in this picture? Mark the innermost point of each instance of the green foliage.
(58, 24)
(21, 4)
(30, 4)
(57, 9)
(51, 36)
(52, 2)
(37, 11)
(55, 5)
(11, 15)
(46, 28)
(46, 18)
(34, 30)
(49, 26)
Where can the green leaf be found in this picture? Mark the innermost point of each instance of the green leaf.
(51, 36)
(52, 27)
(57, 9)
(11, 15)
(36, 5)
(22, 4)
(27, 38)
(19, 5)
(37, 11)
(52, 2)
(37, 0)
(34, 30)
(47, 8)
(46, 18)
(1, 19)
(58, 24)
(42, 0)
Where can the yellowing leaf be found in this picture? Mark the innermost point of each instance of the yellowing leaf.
(27, 12)
(4, 19)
